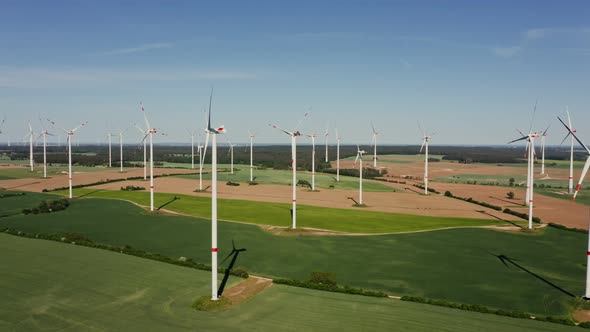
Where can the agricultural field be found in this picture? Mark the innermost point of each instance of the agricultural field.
(534, 272)
(24, 171)
(278, 214)
(51, 292)
(285, 177)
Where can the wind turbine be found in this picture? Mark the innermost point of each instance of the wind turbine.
(202, 154)
(375, 133)
(192, 135)
(338, 138)
(586, 165)
(69, 134)
(121, 146)
(359, 158)
(251, 135)
(570, 185)
(326, 139)
(213, 132)
(109, 136)
(149, 132)
(144, 132)
(424, 147)
(530, 137)
(584, 171)
(2, 125)
(313, 137)
(231, 153)
(543, 136)
(31, 136)
(44, 133)
(293, 135)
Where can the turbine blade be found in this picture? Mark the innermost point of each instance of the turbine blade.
(545, 132)
(574, 135)
(281, 129)
(584, 171)
(422, 147)
(301, 121)
(566, 136)
(520, 132)
(80, 126)
(209, 113)
(534, 113)
(519, 139)
(422, 130)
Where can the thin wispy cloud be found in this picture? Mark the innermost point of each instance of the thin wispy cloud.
(137, 49)
(41, 78)
(532, 37)
(317, 36)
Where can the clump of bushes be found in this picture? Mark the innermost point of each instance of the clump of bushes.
(432, 190)
(522, 215)
(234, 184)
(49, 206)
(471, 200)
(11, 195)
(132, 188)
(510, 195)
(326, 281)
(252, 183)
(565, 228)
(304, 183)
(486, 310)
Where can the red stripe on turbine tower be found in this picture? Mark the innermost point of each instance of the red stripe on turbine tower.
(213, 249)
(151, 187)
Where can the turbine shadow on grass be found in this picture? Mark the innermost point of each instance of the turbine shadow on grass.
(496, 217)
(234, 255)
(507, 201)
(505, 259)
(170, 201)
(24, 185)
(90, 193)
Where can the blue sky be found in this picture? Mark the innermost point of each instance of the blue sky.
(468, 70)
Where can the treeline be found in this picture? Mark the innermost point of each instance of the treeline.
(278, 156)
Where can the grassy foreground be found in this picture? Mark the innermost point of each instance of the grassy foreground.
(279, 214)
(78, 289)
(460, 265)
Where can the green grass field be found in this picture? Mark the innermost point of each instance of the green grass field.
(278, 214)
(460, 265)
(502, 180)
(76, 289)
(15, 204)
(284, 177)
(583, 196)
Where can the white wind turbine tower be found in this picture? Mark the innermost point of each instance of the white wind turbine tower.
(543, 137)
(570, 185)
(426, 138)
(359, 158)
(2, 125)
(231, 153)
(149, 132)
(44, 133)
(144, 132)
(31, 136)
(584, 171)
(192, 135)
(69, 134)
(109, 137)
(121, 147)
(213, 132)
(338, 138)
(251, 135)
(586, 165)
(293, 135)
(326, 139)
(530, 137)
(375, 133)
(202, 154)
(313, 137)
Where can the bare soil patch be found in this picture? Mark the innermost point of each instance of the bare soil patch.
(246, 289)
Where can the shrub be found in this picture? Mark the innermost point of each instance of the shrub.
(448, 194)
(229, 183)
(323, 278)
(510, 195)
(132, 188)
